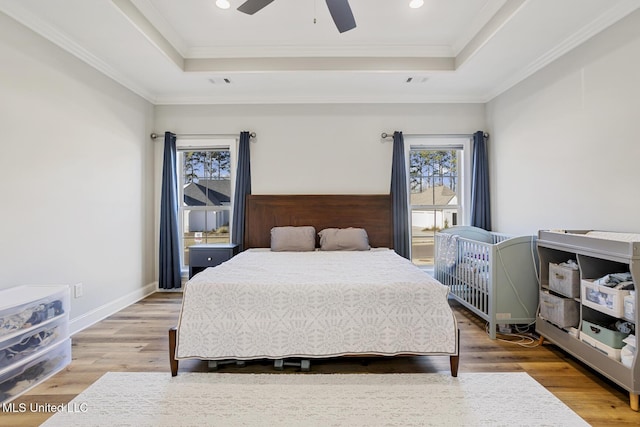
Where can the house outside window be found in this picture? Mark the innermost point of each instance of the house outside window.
(205, 175)
(438, 191)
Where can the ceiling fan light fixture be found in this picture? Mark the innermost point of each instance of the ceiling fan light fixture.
(223, 4)
(339, 9)
(415, 4)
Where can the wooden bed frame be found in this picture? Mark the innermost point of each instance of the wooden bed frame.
(373, 212)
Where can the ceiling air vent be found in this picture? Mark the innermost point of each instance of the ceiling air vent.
(416, 79)
(219, 80)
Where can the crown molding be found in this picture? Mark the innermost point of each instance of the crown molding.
(26, 18)
(604, 21)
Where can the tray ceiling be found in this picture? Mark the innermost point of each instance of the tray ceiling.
(192, 52)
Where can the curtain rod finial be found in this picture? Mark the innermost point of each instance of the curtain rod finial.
(153, 135)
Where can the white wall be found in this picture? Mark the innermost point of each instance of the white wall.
(76, 173)
(565, 143)
(321, 149)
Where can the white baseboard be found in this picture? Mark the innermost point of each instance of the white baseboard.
(82, 322)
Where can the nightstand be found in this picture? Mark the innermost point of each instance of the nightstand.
(210, 255)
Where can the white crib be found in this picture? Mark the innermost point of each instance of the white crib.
(492, 274)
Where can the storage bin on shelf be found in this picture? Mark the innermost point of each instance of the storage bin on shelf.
(562, 312)
(564, 280)
(602, 298)
(630, 305)
(605, 334)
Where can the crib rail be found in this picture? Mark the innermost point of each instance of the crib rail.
(465, 266)
(499, 237)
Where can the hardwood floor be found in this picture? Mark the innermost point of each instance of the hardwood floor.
(136, 340)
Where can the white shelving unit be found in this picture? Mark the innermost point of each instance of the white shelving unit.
(34, 337)
(573, 332)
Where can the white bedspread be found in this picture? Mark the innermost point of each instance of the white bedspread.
(263, 304)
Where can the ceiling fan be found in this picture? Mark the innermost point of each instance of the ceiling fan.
(339, 9)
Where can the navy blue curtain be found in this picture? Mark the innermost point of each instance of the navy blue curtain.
(399, 200)
(243, 188)
(170, 276)
(480, 202)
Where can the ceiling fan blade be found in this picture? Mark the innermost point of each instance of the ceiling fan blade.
(341, 14)
(252, 6)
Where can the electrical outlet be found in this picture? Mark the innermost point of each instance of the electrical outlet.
(77, 290)
(504, 329)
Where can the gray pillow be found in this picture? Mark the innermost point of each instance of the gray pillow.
(293, 239)
(344, 239)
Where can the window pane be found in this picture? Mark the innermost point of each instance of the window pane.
(424, 224)
(204, 226)
(434, 184)
(206, 178)
(422, 236)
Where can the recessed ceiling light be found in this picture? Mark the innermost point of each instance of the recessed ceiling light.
(223, 4)
(414, 4)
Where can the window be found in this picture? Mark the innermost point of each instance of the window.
(205, 192)
(438, 191)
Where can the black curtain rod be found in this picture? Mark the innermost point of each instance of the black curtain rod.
(386, 135)
(214, 135)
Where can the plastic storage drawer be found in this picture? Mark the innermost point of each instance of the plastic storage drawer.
(19, 378)
(24, 307)
(563, 312)
(16, 347)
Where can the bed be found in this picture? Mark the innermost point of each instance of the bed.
(289, 305)
(492, 274)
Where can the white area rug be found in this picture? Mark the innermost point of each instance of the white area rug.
(214, 399)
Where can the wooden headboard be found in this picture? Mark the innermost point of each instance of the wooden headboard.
(371, 212)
